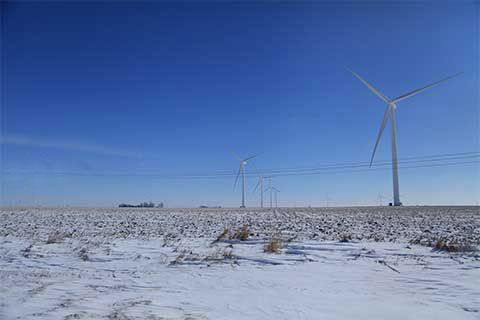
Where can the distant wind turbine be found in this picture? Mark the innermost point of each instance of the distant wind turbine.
(391, 107)
(276, 192)
(241, 170)
(272, 189)
(380, 199)
(327, 200)
(260, 184)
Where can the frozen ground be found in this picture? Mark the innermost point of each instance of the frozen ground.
(138, 264)
(363, 223)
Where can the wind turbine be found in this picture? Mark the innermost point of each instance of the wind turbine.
(327, 200)
(276, 192)
(380, 200)
(260, 183)
(391, 107)
(270, 188)
(241, 170)
(273, 189)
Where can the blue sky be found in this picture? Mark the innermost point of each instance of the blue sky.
(99, 97)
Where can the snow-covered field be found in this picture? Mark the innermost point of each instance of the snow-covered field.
(165, 264)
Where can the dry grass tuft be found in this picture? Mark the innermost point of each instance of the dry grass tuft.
(275, 244)
(56, 237)
(443, 244)
(178, 260)
(223, 235)
(228, 253)
(452, 246)
(27, 251)
(440, 244)
(242, 234)
(219, 255)
(83, 254)
(117, 315)
(346, 237)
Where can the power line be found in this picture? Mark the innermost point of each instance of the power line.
(367, 165)
(229, 175)
(378, 162)
(435, 161)
(378, 169)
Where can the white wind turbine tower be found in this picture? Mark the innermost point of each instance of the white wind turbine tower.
(391, 107)
(327, 200)
(241, 170)
(380, 199)
(272, 190)
(276, 193)
(260, 184)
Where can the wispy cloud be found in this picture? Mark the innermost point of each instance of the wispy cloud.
(69, 145)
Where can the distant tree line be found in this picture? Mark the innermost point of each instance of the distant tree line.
(141, 205)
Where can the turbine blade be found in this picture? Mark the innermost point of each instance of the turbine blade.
(369, 86)
(236, 156)
(384, 122)
(251, 157)
(417, 91)
(256, 187)
(236, 179)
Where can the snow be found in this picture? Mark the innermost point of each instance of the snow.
(180, 277)
(391, 224)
